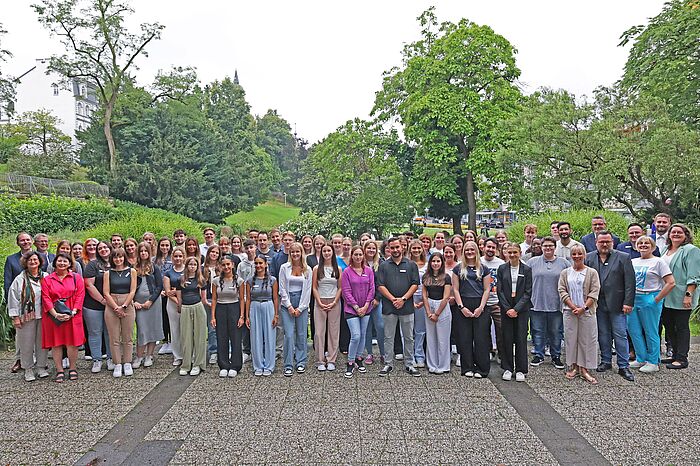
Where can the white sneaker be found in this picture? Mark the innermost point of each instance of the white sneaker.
(148, 361)
(88, 357)
(636, 364)
(519, 377)
(507, 376)
(478, 375)
(547, 352)
(29, 375)
(398, 357)
(246, 357)
(128, 369)
(183, 372)
(110, 364)
(453, 349)
(163, 349)
(649, 368)
(212, 359)
(420, 364)
(195, 371)
(42, 373)
(223, 373)
(65, 363)
(177, 362)
(232, 373)
(321, 367)
(117, 370)
(374, 341)
(96, 366)
(459, 361)
(330, 366)
(136, 363)
(469, 374)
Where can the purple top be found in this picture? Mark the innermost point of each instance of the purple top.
(357, 289)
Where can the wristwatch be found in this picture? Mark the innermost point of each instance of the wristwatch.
(688, 294)
(404, 299)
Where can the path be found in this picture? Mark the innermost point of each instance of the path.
(158, 417)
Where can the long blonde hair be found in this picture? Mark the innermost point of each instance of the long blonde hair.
(477, 259)
(302, 259)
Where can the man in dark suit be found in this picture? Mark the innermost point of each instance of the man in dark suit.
(617, 284)
(11, 271)
(41, 242)
(598, 224)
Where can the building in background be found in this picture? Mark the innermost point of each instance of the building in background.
(73, 103)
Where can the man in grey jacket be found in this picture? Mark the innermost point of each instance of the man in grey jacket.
(617, 283)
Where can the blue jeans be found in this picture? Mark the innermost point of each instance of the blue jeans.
(262, 335)
(295, 333)
(643, 323)
(211, 333)
(376, 322)
(419, 333)
(95, 323)
(547, 327)
(612, 325)
(358, 334)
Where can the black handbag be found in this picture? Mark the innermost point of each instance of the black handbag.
(60, 307)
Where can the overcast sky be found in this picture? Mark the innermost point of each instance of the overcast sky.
(319, 62)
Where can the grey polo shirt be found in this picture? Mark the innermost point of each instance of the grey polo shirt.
(397, 278)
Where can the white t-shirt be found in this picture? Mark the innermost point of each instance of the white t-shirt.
(649, 273)
(493, 266)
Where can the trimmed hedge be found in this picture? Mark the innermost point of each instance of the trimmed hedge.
(48, 214)
(580, 221)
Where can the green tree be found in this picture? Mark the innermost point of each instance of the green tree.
(354, 173)
(45, 150)
(454, 85)
(664, 61)
(7, 88)
(617, 149)
(100, 49)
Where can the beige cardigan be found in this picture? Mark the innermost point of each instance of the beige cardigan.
(591, 286)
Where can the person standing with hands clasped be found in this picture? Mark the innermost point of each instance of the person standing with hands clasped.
(615, 301)
(437, 289)
(119, 289)
(261, 305)
(358, 293)
(514, 291)
(397, 280)
(193, 318)
(227, 294)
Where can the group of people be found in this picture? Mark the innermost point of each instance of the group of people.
(420, 299)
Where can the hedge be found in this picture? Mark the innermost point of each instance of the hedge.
(580, 221)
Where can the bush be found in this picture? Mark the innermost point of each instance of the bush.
(580, 223)
(48, 214)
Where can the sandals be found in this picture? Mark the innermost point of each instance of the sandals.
(60, 377)
(589, 378)
(571, 375)
(72, 375)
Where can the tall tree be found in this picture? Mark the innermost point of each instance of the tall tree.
(664, 61)
(100, 49)
(7, 88)
(454, 85)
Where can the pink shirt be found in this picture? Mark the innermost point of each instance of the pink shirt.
(358, 289)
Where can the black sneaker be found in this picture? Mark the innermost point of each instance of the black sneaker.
(360, 366)
(385, 371)
(557, 363)
(536, 361)
(413, 371)
(350, 370)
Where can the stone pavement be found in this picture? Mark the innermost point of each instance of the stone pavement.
(158, 417)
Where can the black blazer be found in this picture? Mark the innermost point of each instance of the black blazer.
(617, 279)
(523, 290)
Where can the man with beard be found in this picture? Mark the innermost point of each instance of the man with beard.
(179, 237)
(598, 224)
(662, 222)
(491, 260)
(617, 290)
(565, 242)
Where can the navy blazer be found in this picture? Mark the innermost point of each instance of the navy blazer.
(626, 247)
(617, 280)
(523, 288)
(588, 242)
(12, 270)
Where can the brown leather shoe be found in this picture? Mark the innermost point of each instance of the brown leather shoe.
(16, 367)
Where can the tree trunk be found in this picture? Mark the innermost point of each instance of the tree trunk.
(457, 224)
(471, 201)
(109, 108)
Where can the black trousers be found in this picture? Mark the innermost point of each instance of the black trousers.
(228, 335)
(514, 332)
(344, 340)
(473, 336)
(676, 322)
(166, 320)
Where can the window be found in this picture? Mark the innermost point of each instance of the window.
(55, 89)
(83, 90)
(79, 111)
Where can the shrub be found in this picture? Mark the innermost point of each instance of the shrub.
(48, 214)
(580, 223)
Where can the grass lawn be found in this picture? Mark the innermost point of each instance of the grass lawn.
(265, 216)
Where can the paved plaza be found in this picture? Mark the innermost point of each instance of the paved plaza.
(159, 417)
